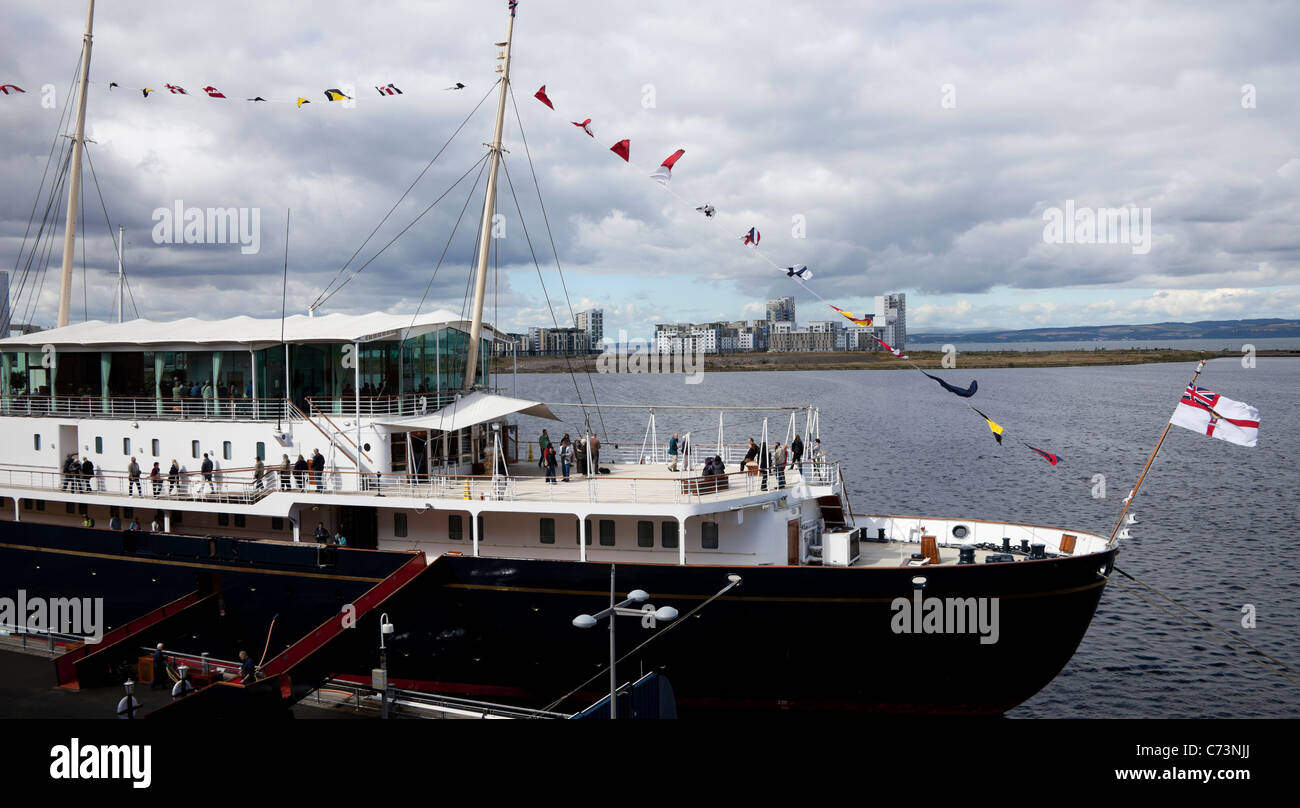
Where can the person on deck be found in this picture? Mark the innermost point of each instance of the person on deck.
(317, 468)
(247, 668)
(580, 455)
(751, 456)
(155, 479)
(543, 443)
(322, 535)
(284, 473)
(779, 458)
(159, 669)
(300, 472)
(566, 456)
(87, 474)
(548, 463)
(173, 477)
(796, 451)
(593, 452)
(133, 478)
(259, 471)
(206, 469)
(672, 453)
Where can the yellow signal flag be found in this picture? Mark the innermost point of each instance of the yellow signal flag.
(336, 95)
(302, 101)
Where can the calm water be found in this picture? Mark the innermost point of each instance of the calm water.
(1271, 343)
(1217, 522)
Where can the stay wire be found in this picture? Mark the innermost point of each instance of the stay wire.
(91, 162)
(326, 294)
(519, 121)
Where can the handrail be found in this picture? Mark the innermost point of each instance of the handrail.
(228, 408)
(317, 411)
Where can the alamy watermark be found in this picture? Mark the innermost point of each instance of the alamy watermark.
(1074, 225)
(683, 354)
(919, 615)
(182, 225)
(83, 617)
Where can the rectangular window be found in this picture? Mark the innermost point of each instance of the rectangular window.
(128, 513)
(112, 511)
(277, 523)
(239, 520)
(225, 450)
(177, 517)
(709, 535)
(548, 530)
(481, 533)
(585, 526)
(668, 535)
(261, 450)
(155, 446)
(606, 532)
(72, 507)
(83, 508)
(223, 519)
(40, 504)
(194, 449)
(645, 534)
(126, 446)
(99, 445)
(399, 525)
(27, 504)
(36, 442)
(455, 529)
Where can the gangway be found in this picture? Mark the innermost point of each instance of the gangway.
(303, 666)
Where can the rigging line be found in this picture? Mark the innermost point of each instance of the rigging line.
(372, 258)
(321, 298)
(49, 158)
(91, 162)
(48, 216)
(41, 245)
(1288, 670)
(1209, 622)
(679, 621)
(567, 363)
(519, 121)
(447, 246)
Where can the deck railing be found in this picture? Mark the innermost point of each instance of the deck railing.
(242, 486)
(168, 408)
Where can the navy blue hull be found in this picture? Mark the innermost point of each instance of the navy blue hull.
(787, 639)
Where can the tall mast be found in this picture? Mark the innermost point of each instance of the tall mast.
(74, 183)
(489, 208)
(121, 279)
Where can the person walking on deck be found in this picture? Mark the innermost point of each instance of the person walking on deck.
(155, 479)
(206, 469)
(672, 453)
(133, 478)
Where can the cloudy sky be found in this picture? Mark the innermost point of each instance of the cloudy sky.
(890, 146)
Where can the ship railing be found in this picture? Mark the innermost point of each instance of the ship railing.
(33, 638)
(150, 408)
(227, 485)
(403, 406)
(620, 449)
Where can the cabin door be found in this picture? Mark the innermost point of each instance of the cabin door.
(792, 542)
(67, 442)
(360, 526)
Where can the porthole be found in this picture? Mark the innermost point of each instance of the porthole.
(960, 532)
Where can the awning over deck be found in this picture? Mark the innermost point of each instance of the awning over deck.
(476, 408)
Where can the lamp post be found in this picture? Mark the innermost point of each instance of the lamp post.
(385, 628)
(663, 613)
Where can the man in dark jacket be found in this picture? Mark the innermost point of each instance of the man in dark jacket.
(206, 468)
(87, 473)
(173, 477)
(317, 466)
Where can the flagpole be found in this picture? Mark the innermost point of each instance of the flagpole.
(1133, 493)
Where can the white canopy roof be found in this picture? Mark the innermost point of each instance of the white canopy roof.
(247, 332)
(475, 408)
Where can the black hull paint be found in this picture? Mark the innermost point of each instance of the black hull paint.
(788, 639)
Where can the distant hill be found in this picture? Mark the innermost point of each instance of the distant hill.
(1206, 329)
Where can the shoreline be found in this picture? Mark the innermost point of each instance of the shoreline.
(878, 360)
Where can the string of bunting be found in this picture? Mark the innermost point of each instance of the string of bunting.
(210, 91)
(799, 273)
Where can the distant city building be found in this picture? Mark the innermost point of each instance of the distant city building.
(802, 340)
(557, 341)
(891, 314)
(781, 308)
(593, 322)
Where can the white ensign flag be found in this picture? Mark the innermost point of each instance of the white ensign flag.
(1211, 414)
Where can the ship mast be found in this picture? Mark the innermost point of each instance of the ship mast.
(74, 182)
(489, 208)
